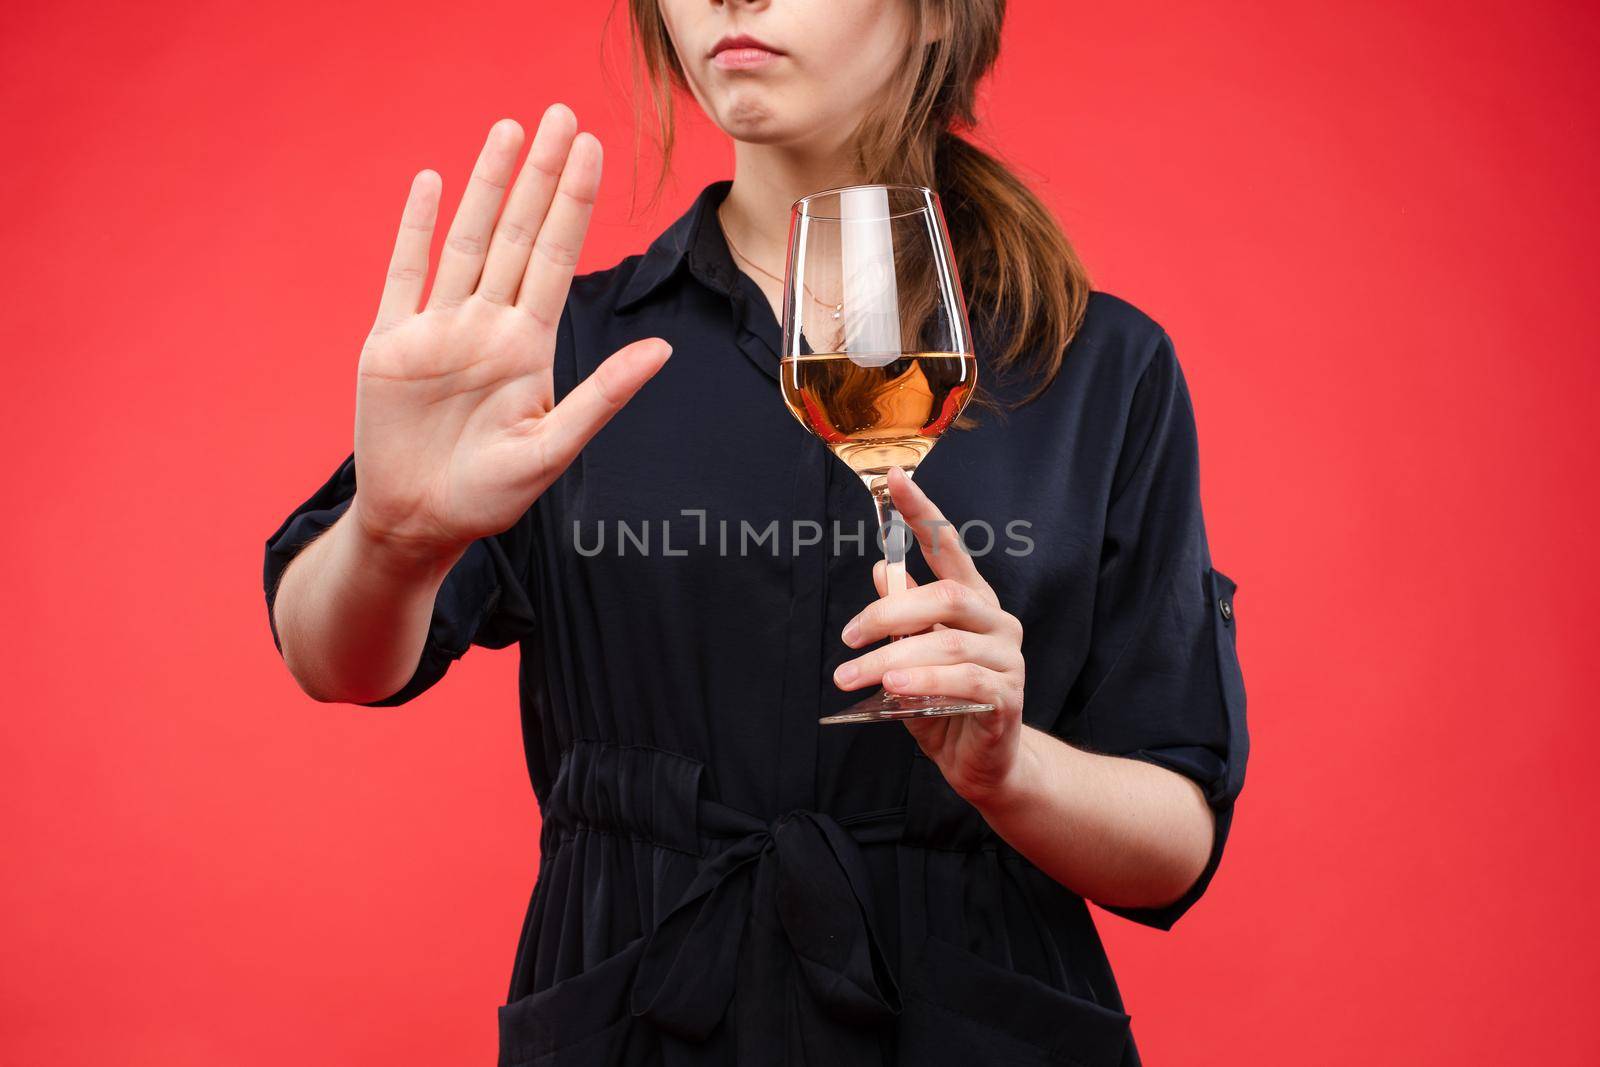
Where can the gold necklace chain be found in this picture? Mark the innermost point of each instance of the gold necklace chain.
(723, 227)
(837, 309)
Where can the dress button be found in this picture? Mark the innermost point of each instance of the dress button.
(1226, 609)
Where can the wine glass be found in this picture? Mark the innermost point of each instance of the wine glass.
(877, 358)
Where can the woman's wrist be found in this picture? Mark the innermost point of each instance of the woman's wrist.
(399, 558)
(1020, 790)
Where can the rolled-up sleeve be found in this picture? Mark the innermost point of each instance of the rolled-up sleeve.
(484, 599)
(1162, 681)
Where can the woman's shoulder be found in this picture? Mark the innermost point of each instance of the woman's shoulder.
(1117, 328)
(1116, 347)
(1113, 348)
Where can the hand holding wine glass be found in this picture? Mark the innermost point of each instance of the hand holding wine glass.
(877, 360)
(963, 644)
(457, 429)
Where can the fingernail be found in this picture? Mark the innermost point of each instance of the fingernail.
(852, 630)
(896, 678)
(846, 674)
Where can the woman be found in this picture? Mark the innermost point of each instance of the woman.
(721, 879)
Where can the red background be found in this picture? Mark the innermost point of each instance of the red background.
(1370, 228)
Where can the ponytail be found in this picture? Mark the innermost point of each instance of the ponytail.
(1022, 277)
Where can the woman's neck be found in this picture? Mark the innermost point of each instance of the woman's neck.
(767, 180)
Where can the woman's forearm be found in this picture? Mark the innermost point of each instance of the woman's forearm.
(352, 612)
(1117, 831)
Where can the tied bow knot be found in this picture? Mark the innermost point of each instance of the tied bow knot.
(789, 896)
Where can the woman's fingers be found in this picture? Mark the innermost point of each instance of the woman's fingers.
(592, 402)
(408, 265)
(526, 206)
(526, 253)
(945, 602)
(965, 681)
(936, 648)
(556, 248)
(941, 545)
(880, 578)
(461, 262)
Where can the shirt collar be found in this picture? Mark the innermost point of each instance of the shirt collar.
(694, 241)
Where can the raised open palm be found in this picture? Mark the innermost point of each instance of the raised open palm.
(457, 430)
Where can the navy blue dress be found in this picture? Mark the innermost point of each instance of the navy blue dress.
(722, 880)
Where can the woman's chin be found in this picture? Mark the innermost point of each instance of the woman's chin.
(755, 117)
(770, 131)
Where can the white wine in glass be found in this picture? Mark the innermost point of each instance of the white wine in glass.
(877, 357)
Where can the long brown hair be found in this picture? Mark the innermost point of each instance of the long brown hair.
(1032, 290)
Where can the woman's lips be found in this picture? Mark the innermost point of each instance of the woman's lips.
(743, 58)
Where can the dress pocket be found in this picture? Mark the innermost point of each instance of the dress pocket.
(960, 1009)
(580, 1020)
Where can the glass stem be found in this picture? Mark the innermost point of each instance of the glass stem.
(896, 539)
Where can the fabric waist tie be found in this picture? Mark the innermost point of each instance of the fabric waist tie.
(784, 897)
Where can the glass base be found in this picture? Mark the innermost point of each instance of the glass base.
(887, 707)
